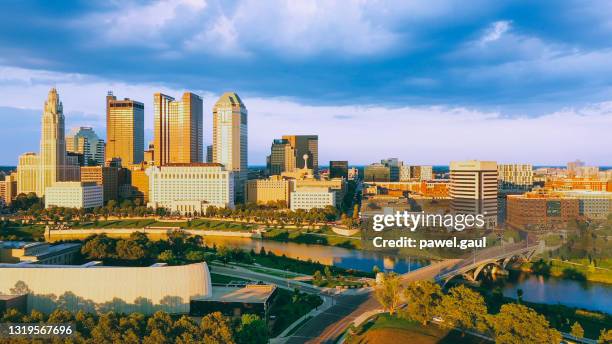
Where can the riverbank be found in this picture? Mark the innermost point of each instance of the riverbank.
(326, 237)
(566, 269)
(156, 229)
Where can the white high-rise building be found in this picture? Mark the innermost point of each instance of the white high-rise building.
(473, 189)
(190, 188)
(230, 139)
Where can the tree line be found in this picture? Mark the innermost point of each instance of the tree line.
(136, 328)
(464, 309)
(276, 213)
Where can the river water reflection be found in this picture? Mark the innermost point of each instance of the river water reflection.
(329, 255)
(549, 290)
(552, 290)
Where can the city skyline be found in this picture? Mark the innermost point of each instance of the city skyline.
(444, 78)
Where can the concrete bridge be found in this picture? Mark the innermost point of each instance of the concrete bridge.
(497, 257)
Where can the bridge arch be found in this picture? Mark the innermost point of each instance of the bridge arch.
(483, 266)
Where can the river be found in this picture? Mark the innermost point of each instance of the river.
(328, 255)
(553, 290)
(538, 289)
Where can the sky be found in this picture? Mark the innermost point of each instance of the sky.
(425, 81)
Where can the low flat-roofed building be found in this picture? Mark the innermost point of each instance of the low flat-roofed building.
(307, 198)
(274, 189)
(236, 300)
(37, 252)
(18, 302)
(106, 176)
(593, 205)
(172, 185)
(74, 195)
(541, 210)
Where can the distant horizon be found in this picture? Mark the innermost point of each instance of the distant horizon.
(605, 168)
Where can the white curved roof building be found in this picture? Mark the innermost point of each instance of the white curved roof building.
(104, 288)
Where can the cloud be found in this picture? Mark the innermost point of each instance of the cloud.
(142, 24)
(432, 134)
(496, 30)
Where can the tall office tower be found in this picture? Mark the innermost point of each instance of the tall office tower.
(282, 157)
(124, 130)
(574, 165)
(8, 188)
(27, 173)
(473, 189)
(178, 129)
(512, 179)
(84, 140)
(305, 145)
(338, 169)
(165, 111)
(394, 168)
(52, 155)
(230, 139)
(515, 177)
(209, 153)
(427, 172)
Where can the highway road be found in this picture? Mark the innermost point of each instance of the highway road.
(329, 325)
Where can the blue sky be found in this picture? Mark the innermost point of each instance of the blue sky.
(426, 81)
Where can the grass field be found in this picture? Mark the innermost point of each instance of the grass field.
(580, 265)
(222, 279)
(393, 330)
(23, 232)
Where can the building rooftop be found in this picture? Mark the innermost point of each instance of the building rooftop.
(39, 250)
(229, 98)
(251, 293)
(194, 164)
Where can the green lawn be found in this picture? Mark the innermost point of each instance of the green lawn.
(23, 232)
(222, 279)
(194, 224)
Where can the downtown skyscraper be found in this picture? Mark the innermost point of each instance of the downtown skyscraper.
(124, 130)
(305, 146)
(230, 137)
(52, 157)
(178, 129)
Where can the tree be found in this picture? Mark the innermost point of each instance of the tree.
(605, 337)
(216, 329)
(577, 330)
(195, 256)
(375, 269)
(462, 308)
(130, 250)
(422, 297)
(317, 278)
(519, 295)
(167, 256)
(388, 292)
(252, 330)
(517, 323)
(98, 247)
(328, 273)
